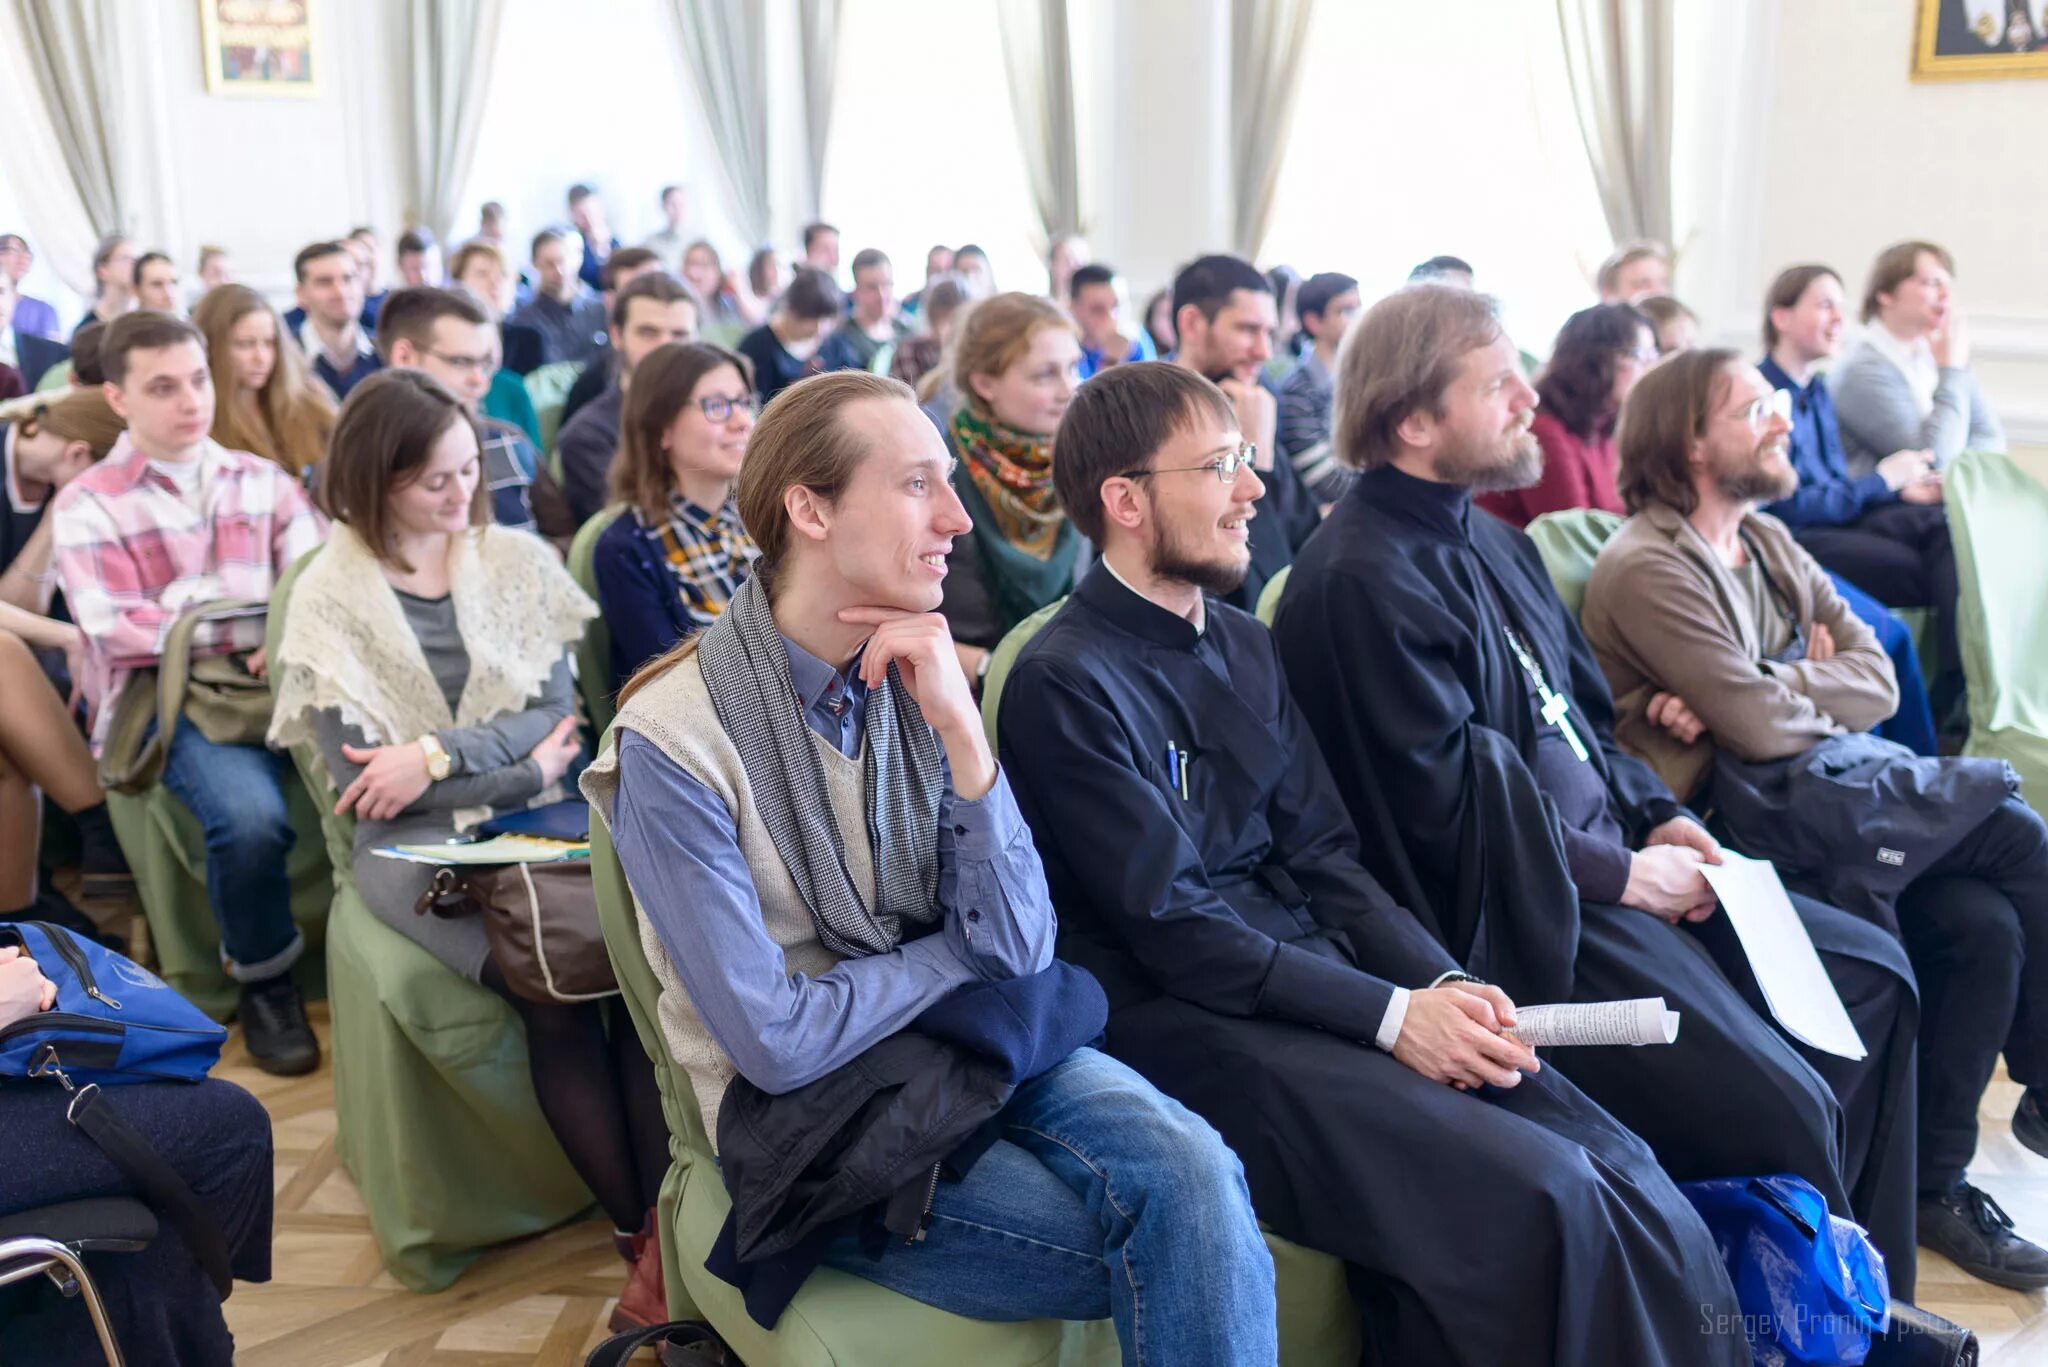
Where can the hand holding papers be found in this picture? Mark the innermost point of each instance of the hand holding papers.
(1787, 968)
(1641, 1020)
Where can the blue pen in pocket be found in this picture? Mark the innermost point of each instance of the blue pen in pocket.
(1172, 765)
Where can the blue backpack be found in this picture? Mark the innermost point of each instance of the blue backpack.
(114, 1021)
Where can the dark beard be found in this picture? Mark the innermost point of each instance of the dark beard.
(1756, 484)
(1170, 561)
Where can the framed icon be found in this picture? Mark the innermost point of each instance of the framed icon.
(258, 47)
(1975, 40)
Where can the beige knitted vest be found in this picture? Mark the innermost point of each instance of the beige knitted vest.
(675, 712)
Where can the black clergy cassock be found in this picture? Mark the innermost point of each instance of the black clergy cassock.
(1249, 959)
(1473, 811)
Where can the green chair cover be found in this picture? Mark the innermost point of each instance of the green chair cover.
(549, 388)
(55, 378)
(1004, 658)
(1996, 513)
(1269, 596)
(594, 652)
(435, 1116)
(1569, 543)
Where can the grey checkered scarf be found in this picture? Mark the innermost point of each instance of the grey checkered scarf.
(746, 668)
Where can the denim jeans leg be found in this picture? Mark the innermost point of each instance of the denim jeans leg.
(237, 794)
(1191, 1280)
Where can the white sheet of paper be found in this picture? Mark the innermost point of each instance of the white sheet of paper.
(1781, 954)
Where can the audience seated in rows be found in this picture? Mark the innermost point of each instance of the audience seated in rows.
(1326, 303)
(1094, 299)
(171, 520)
(1014, 371)
(1204, 870)
(651, 311)
(426, 653)
(1738, 672)
(670, 562)
(264, 399)
(1223, 314)
(787, 347)
(1470, 734)
(621, 268)
(331, 330)
(564, 310)
(871, 327)
(808, 916)
(1907, 384)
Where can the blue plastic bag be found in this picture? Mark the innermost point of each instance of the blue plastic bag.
(1812, 1287)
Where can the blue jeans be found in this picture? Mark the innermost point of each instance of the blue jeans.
(1103, 1198)
(1913, 724)
(237, 793)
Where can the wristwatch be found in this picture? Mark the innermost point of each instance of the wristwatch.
(439, 765)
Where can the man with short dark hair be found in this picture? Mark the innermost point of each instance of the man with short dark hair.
(674, 239)
(419, 259)
(586, 213)
(654, 309)
(1326, 303)
(566, 312)
(169, 521)
(331, 331)
(1205, 872)
(821, 248)
(447, 335)
(786, 348)
(31, 315)
(1444, 270)
(1223, 316)
(1735, 664)
(1095, 303)
(621, 268)
(1471, 737)
(156, 283)
(873, 325)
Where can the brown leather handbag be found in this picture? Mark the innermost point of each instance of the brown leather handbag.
(540, 921)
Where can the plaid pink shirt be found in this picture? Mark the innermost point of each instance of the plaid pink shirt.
(131, 555)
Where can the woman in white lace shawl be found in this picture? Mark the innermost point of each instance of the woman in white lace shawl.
(425, 651)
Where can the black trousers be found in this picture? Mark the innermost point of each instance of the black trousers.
(1976, 926)
(1899, 554)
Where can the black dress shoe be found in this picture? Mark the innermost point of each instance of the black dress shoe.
(1966, 1226)
(102, 868)
(2030, 1121)
(274, 1024)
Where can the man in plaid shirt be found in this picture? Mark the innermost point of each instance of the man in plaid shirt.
(169, 520)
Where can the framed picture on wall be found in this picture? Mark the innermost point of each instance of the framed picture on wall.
(1974, 40)
(258, 47)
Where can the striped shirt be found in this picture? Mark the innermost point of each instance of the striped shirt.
(1303, 433)
(132, 554)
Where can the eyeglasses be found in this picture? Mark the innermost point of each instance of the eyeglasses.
(720, 408)
(1642, 355)
(1225, 466)
(1776, 404)
(466, 365)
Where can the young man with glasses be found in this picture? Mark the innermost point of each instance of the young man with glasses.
(449, 336)
(1470, 734)
(1205, 872)
(1700, 593)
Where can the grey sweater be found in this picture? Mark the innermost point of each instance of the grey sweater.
(489, 768)
(1874, 404)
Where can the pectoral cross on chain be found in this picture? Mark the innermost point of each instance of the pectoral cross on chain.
(1555, 706)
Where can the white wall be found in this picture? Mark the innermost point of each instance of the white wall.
(1859, 156)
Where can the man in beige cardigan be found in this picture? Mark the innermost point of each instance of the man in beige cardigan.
(1716, 629)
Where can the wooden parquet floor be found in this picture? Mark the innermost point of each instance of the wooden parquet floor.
(545, 1301)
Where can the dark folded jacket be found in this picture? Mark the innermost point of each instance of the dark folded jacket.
(878, 1131)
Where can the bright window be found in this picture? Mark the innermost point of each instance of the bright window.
(1425, 130)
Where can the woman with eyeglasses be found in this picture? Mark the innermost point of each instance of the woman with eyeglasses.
(1600, 354)
(1016, 363)
(677, 552)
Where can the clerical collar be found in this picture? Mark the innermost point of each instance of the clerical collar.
(1110, 595)
(1445, 509)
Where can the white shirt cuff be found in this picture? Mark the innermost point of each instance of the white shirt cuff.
(1390, 1023)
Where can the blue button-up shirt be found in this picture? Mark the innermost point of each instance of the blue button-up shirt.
(1827, 496)
(681, 852)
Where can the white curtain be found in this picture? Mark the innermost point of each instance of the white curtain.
(1038, 58)
(723, 46)
(1268, 41)
(1618, 56)
(453, 46)
(817, 24)
(60, 134)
